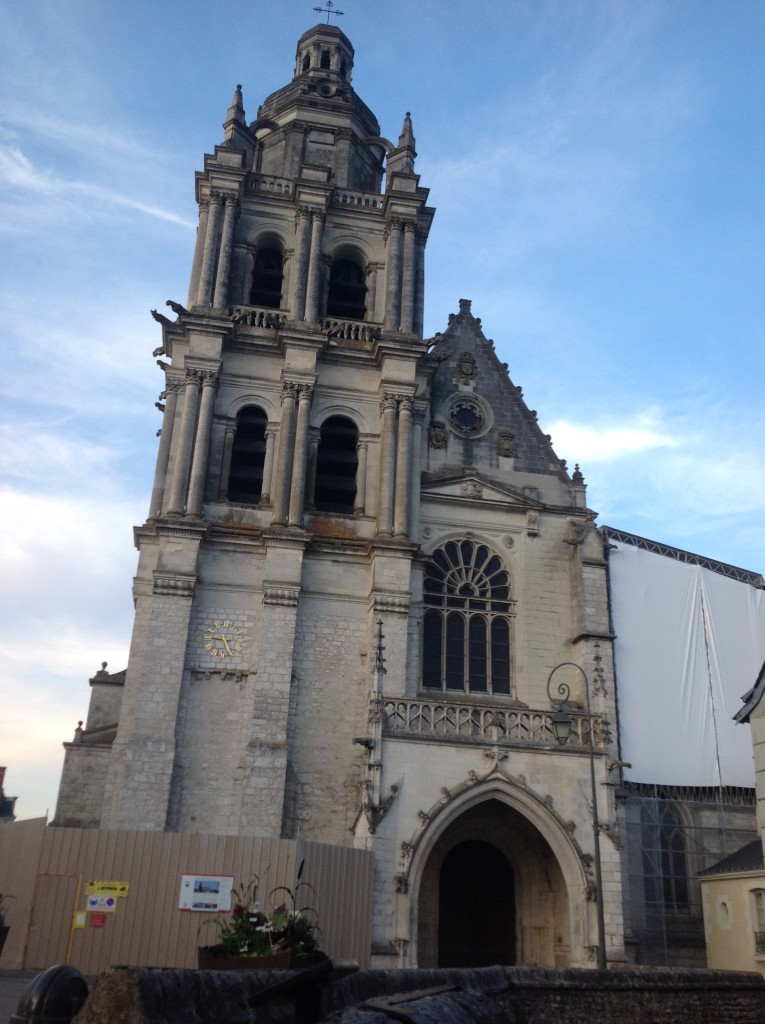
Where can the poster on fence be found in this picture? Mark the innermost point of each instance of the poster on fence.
(210, 893)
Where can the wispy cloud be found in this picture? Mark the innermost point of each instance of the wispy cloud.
(612, 440)
(18, 171)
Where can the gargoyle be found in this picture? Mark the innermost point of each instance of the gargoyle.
(161, 319)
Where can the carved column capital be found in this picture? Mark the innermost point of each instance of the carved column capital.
(289, 390)
(388, 401)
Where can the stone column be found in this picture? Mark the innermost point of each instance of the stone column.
(199, 248)
(372, 292)
(401, 518)
(419, 285)
(300, 268)
(249, 269)
(177, 500)
(287, 277)
(393, 277)
(314, 436)
(268, 465)
(228, 449)
(418, 420)
(362, 451)
(172, 387)
(387, 465)
(297, 492)
(211, 246)
(286, 451)
(314, 267)
(226, 245)
(408, 279)
(202, 444)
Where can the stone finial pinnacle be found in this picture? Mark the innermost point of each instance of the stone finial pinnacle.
(406, 138)
(235, 111)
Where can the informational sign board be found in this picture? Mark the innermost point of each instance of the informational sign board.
(97, 920)
(206, 893)
(104, 904)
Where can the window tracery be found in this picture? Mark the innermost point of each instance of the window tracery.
(466, 626)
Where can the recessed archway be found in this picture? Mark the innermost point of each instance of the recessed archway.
(515, 865)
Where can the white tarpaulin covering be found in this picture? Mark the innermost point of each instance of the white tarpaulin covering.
(689, 643)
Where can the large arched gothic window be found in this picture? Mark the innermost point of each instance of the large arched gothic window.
(336, 464)
(665, 871)
(245, 481)
(267, 276)
(466, 631)
(347, 291)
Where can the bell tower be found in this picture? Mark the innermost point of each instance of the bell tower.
(283, 505)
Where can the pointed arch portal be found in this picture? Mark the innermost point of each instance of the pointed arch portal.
(492, 892)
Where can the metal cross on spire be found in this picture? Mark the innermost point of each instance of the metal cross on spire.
(329, 9)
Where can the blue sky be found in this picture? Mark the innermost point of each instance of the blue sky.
(597, 168)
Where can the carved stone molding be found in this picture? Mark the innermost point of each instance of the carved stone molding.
(174, 584)
(281, 595)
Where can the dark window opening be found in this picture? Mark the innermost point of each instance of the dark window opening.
(466, 627)
(306, 62)
(325, 59)
(248, 456)
(267, 276)
(347, 291)
(336, 464)
(665, 871)
(343, 69)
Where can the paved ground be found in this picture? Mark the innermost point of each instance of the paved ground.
(12, 985)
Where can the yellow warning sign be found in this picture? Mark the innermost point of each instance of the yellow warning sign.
(106, 888)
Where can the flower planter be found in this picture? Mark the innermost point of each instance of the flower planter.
(208, 960)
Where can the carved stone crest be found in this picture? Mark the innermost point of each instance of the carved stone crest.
(466, 367)
(438, 435)
(507, 447)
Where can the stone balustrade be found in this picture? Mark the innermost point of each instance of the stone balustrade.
(252, 316)
(269, 183)
(351, 330)
(367, 199)
(455, 722)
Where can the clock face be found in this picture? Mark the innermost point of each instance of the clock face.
(224, 639)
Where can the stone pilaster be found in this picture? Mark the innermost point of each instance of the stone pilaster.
(300, 263)
(297, 490)
(202, 444)
(182, 448)
(268, 465)
(387, 465)
(173, 387)
(393, 276)
(286, 453)
(314, 267)
(408, 279)
(199, 248)
(226, 244)
(403, 467)
(204, 294)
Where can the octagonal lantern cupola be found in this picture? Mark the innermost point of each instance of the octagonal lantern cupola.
(324, 49)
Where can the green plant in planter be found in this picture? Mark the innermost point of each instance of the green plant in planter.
(250, 932)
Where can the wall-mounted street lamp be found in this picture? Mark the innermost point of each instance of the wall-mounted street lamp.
(561, 726)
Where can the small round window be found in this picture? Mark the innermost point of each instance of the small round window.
(469, 415)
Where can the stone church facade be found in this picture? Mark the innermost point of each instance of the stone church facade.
(363, 561)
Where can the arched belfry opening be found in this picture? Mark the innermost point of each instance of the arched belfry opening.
(492, 892)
